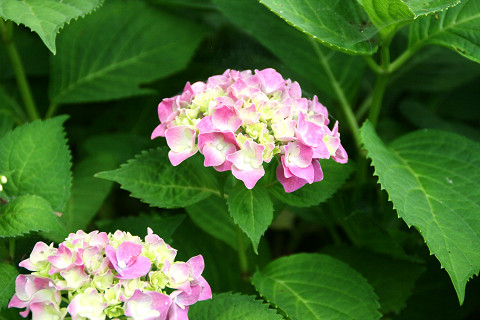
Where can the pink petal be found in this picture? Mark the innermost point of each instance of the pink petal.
(318, 173)
(249, 177)
(271, 80)
(341, 155)
(197, 264)
(138, 269)
(205, 125)
(225, 119)
(158, 132)
(289, 184)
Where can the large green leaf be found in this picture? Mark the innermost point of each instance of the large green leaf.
(341, 25)
(386, 15)
(295, 49)
(314, 286)
(252, 211)
(151, 178)
(113, 51)
(456, 28)
(392, 279)
(8, 273)
(211, 215)
(36, 160)
(228, 306)
(432, 179)
(28, 213)
(46, 17)
(309, 195)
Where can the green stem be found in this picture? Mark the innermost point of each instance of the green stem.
(344, 104)
(380, 86)
(404, 57)
(51, 110)
(23, 86)
(242, 255)
(372, 64)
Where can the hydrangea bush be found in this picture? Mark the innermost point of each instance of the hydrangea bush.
(239, 120)
(88, 87)
(99, 275)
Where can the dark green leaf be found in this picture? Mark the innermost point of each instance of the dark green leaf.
(228, 306)
(113, 51)
(294, 48)
(29, 213)
(456, 28)
(36, 160)
(252, 211)
(341, 25)
(46, 17)
(387, 15)
(164, 226)
(8, 273)
(431, 179)
(88, 193)
(335, 175)
(151, 178)
(314, 286)
(211, 215)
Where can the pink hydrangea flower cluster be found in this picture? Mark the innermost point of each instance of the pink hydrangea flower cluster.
(101, 276)
(239, 120)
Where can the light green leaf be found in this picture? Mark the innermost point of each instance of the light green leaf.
(211, 215)
(294, 48)
(8, 273)
(151, 178)
(335, 175)
(392, 279)
(252, 211)
(341, 25)
(28, 213)
(46, 17)
(112, 52)
(387, 15)
(431, 178)
(456, 28)
(228, 306)
(314, 286)
(36, 160)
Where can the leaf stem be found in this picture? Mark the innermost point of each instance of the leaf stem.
(404, 57)
(23, 86)
(52, 108)
(373, 64)
(344, 104)
(380, 86)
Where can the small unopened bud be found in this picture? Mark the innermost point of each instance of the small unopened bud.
(3, 179)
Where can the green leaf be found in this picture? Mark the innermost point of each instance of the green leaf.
(294, 48)
(112, 52)
(431, 178)
(46, 17)
(314, 286)
(36, 160)
(163, 226)
(228, 306)
(456, 28)
(88, 193)
(392, 279)
(151, 178)
(252, 211)
(211, 215)
(387, 15)
(28, 213)
(341, 25)
(10, 112)
(8, 273)
(335, 175)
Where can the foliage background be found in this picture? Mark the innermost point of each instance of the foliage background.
(112, 63)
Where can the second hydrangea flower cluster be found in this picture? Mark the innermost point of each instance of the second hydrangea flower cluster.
(99, 275)
(238, 120)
